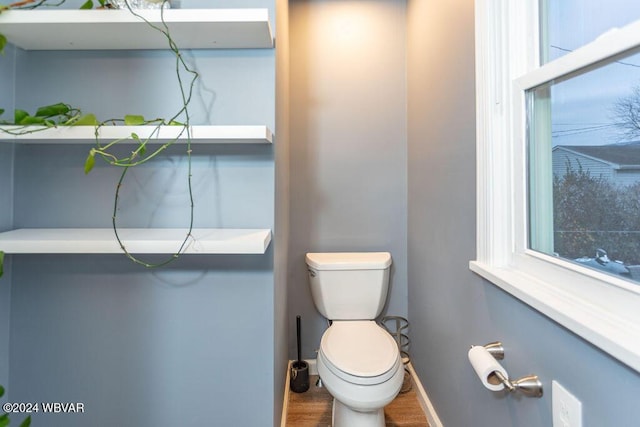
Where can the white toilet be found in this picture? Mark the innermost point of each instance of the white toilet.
(358, 361)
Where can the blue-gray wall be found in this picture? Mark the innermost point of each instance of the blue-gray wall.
(179, 346)
(7, 77)
(450, 308)
(348, 144)
(282, 209)
(6, 195)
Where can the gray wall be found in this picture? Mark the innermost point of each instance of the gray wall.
(449, 307)
(282, 209)
(7, 77)
(177, 346)
(348, 144)
(141, 348)
(6, 195)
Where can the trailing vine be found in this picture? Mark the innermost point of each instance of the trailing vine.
(47, 116)
(62, 114)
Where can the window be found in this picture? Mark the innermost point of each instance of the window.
(558, 195)
(584, 167)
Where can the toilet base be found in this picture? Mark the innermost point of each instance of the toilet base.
(343, 416)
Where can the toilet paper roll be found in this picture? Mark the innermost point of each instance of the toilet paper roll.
(485, 366)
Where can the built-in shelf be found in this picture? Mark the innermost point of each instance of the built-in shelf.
(119, 29)
(66, 29)
(136, 241)
(162, 134)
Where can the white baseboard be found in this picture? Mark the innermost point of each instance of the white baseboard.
(313, 368)
(285, 403)
(423, 399)
(425, 403)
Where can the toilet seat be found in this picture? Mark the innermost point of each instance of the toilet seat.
(360, 352)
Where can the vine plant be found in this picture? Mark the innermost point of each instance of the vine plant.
(62, 114)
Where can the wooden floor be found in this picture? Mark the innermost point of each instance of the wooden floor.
(313, 408)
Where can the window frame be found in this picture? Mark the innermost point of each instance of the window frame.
(600, 308)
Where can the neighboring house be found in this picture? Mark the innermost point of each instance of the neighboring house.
(618, 163)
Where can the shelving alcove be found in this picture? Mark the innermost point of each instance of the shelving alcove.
(119, 29)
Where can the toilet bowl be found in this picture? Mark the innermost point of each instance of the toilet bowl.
(358, 361)
(360, 366)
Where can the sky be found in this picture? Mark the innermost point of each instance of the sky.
(581, 107)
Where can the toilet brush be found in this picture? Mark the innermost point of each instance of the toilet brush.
(299, 382)
(298, 341)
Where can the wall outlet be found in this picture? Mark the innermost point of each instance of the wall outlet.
(567, 409)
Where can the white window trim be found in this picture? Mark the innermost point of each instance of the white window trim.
(602, 309)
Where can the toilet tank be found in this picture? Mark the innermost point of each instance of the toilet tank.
(349, 285)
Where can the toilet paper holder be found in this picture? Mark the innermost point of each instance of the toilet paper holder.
(528, 385)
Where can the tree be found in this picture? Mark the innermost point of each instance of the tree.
(590, 213)
(626, 112)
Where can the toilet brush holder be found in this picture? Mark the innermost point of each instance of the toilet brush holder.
(299, 382)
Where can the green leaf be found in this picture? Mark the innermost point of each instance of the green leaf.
(90, 162)
(1, 388)
(133, 120)
(1, 111)
(142, 148)
(58, 109)
(26, 422)
(31, 120)
(3, 43)
(86, 120)
(87, 5)
(1, 273)
(4, 420)
(18, 115)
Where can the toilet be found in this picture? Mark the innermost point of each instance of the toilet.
(358, 361)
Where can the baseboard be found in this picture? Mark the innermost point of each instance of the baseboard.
(423, 399)
(285, 403)
(313, 368)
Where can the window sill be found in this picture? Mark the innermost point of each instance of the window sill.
(614, 329)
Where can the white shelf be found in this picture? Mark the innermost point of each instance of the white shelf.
(120, 29)
(162, 134)
(136, 240)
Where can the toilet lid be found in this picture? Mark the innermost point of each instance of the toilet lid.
(359, 348)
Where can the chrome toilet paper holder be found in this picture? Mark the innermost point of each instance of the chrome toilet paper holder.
(528, 385)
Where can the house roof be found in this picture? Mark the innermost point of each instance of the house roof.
(624, 155)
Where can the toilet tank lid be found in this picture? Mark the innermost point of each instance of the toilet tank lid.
(349, 260)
